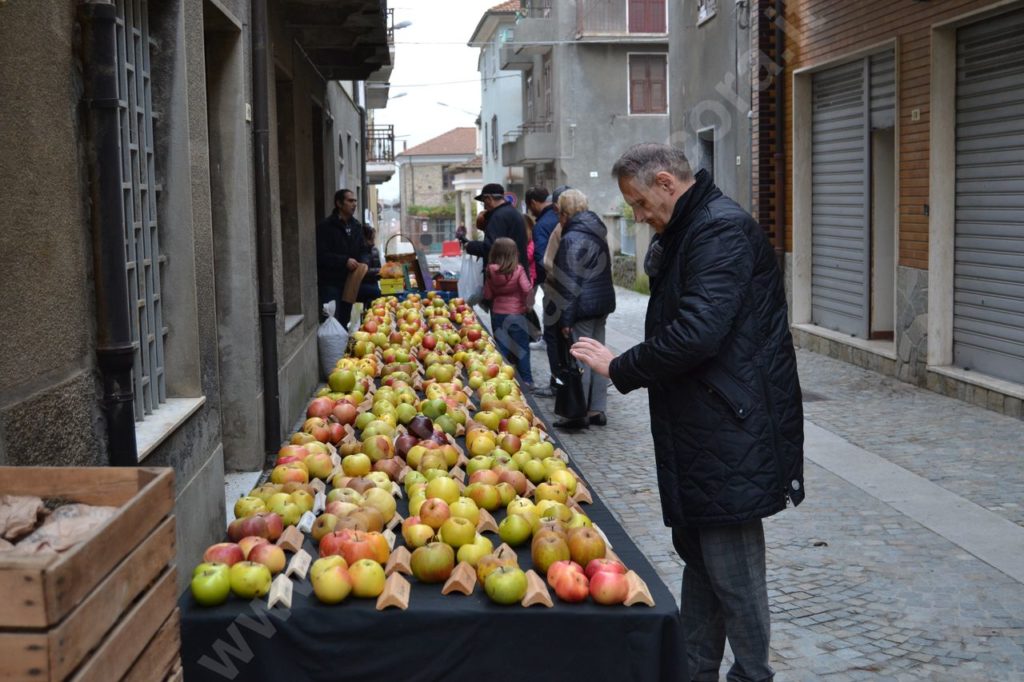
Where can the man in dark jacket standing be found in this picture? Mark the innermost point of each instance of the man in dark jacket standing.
(539, 203)
(726, 411)
(503, 220)
(339, 239)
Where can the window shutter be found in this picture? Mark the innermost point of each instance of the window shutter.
(647, 16)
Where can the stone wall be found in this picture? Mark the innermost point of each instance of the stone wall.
(911, 324)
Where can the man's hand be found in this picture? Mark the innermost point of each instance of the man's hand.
(352, 264)
(593, 354)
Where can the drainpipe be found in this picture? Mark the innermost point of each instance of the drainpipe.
(264, 241)
(362, 162)
(780, 140)
(114, 351)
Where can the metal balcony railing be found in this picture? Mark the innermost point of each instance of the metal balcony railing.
(536, 9)
(526, 128)
(380, 144)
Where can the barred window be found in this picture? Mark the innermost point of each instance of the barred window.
(139, 185)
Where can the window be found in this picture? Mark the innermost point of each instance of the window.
(546, 104)
(446, 178)
(648, 84)
(494, 136)
(145, 262)
(647, 16)
(705, 10)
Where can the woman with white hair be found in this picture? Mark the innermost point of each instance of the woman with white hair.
(582, 277)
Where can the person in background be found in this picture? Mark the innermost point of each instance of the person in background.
(503, 220)
(339, 239)
(726, 409)
(508, 287)
(541, 205)
(531, 314)
(583, 279)
(369, 288)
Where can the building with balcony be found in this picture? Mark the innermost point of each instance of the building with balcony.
(594, 80)
(500, 108)
(427, 191)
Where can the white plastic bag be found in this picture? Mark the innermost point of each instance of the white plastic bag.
(331, 340)
(471, 279)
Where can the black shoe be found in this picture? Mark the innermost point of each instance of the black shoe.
(599, 419)
(573, 424)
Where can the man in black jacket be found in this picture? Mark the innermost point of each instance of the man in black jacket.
(503, 220)
(339, 239)
(726, 409)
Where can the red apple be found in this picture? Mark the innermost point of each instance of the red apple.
(597, 565)
(345, 412)
(556, 568)
(608, 587)
(224, 553)
(320, 407)
(434, 512)
(571, 586)
(270, 556)
(249, 542)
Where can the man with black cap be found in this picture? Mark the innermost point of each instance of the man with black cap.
(503, 220)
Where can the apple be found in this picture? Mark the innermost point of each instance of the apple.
(227, 553)
(472, 553)
(479, 469)
(506, 585)
(331, 580)
(433, 562)
(457, 531)
(515, 529)
(609, 587)
(465, 508)
(572, 586)
(304, 499)
(546, 550)
(443, 487)
(602, 564)
(417, 534)
(342, 380)
(579, 519)
(517, 479)
(556, 568)
(434, 512)
(551, 491)
(249, 579)
(248, 505)
(324, 524)
(211, 583)
(485, 496)
(319, 465)
(249, 542)
(367, 578)
(506, 493)
(534, 470)
(270, 556)
(585, 544)
(378, 447)
(381, 500)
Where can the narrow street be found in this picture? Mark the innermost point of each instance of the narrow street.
(906, 560)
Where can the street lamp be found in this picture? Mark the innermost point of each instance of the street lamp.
(465, 111)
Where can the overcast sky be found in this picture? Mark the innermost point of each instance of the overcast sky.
(433, 65)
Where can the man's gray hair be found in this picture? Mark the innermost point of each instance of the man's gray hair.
(645, 160)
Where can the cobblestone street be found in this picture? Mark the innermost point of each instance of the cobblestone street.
(865, 583)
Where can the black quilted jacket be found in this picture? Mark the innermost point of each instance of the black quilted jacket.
(583, 270)
(718, 360)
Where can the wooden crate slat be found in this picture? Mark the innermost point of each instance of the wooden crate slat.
(23, 656)
(160, 655)
(24, 594)
(127, 640)
(85, 627)
(82, 567)
(89, 485)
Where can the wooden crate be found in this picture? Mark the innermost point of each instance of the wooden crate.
(93, 610)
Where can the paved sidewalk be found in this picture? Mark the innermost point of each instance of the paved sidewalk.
(875, 576)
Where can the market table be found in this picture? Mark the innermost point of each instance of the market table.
(440, 637)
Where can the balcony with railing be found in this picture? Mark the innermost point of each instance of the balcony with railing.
(535, 32)
(530, 144)
(380, 153)
(631, 20)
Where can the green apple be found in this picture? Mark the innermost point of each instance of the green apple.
(506, 585)
(249, 579)
(515, 529)
(211, 583)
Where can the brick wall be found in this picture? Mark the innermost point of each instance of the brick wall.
(819, 31)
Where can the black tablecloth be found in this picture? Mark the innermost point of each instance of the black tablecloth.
(440, 637)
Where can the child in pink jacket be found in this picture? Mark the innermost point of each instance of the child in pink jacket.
(508, 286)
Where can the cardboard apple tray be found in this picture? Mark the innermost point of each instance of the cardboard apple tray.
(106, 608)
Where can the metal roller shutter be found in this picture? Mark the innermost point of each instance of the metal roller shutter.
(840, 199)
(988, 285)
